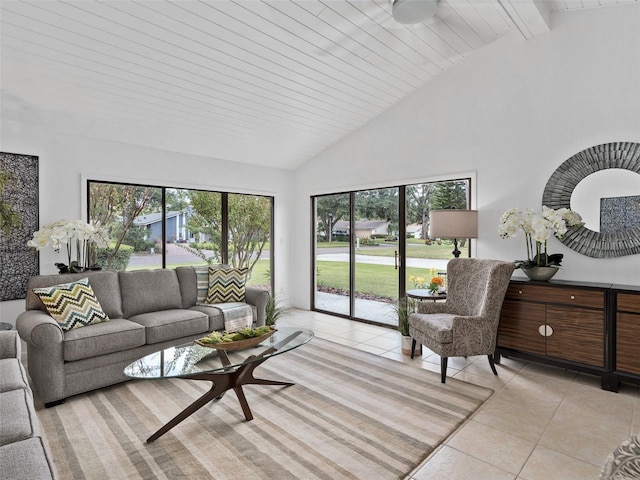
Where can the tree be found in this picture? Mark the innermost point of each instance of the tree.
(177, 199)
(418, 206)
(207, 219)
(249, 225)
(380, 204)
(330, 209)
(116, 206)
(249, 228)
(447, 195)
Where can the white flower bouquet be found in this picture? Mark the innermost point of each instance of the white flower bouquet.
(85, 236)
(537, 231)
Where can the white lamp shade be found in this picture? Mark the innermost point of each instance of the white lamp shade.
(453, 224)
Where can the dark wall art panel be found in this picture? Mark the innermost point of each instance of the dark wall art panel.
(619, 213)
(18, 221)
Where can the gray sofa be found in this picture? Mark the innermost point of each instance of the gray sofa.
(22, 451)
(149, 310)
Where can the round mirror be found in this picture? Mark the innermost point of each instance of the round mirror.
(618, 233)
(596, 192)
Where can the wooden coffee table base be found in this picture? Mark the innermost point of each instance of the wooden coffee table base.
(221, 382)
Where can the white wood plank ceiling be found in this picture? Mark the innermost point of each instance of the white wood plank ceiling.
(269, 82)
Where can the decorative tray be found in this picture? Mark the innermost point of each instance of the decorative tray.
(238, 344)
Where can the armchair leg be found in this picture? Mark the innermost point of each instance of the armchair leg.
(413, 346)
(443, 369)
(492, 364)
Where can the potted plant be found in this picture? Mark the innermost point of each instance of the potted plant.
(537, 230)
(87, 238)
(403, 308)
(275, 310)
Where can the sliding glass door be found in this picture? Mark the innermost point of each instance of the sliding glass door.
(357, 261)
(376, 260)
(332, 254)
(371, 246)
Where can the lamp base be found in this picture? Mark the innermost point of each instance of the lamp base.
(456, 252)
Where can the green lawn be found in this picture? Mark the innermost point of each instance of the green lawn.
(378, 280)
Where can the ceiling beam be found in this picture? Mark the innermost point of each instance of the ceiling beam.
(531, 17)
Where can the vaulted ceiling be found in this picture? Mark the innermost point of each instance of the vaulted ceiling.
(269, 82)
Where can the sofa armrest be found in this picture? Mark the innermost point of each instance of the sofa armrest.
(45, 350)
(38, 328)
(9, 344)
(259, 298)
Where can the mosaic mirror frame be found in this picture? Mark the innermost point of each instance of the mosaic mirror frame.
(557, 194)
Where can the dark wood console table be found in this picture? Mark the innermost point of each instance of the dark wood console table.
(562, 323)
(625, 333)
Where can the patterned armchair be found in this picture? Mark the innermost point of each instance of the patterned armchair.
(467, 322)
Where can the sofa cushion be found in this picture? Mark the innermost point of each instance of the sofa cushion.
(18, 416)
(146, 291)
(12, 374)
(171, 324)
(226, 284)
(109, 337)
(10, 346)
(26, 460)
(216, 319)
(188, 285)
(72, 305)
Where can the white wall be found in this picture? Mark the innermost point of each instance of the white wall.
(512, 113)
(65, 160)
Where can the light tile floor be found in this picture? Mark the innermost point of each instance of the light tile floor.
(542, 423)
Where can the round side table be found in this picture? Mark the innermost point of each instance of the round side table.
(423, 294)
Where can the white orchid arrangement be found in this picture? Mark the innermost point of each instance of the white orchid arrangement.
(537, 231)
(85, 236)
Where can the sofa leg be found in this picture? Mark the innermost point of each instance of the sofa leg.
(443, 369)
(54, 403)
(492, 364)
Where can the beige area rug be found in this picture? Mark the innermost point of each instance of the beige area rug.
(351, 415)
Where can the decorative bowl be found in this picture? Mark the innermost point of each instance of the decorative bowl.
(238, 344)
(540, 274)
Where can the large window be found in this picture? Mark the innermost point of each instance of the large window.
(371, 246)
(162, 227)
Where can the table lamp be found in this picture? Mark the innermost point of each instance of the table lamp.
(454, 224)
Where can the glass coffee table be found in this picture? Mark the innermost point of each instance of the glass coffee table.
(226, 369)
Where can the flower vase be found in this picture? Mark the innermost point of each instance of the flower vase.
(540, 273)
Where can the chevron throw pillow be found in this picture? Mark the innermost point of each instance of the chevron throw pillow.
(72, 305)
(226, 284)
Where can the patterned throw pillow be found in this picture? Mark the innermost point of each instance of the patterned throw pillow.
(226, 284)
(72, 305)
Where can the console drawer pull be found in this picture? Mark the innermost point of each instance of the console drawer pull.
(545, 330)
